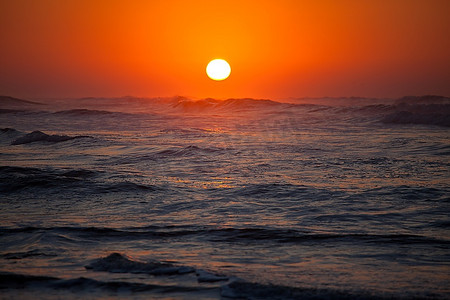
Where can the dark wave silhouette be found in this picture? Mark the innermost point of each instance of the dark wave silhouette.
(14, 179)
(11, 111)
(39, 136)
(17, 179)
(426, 99)
(407, 117)
(230, 235)
(117, 263)
(21, 281)
(10, 132)
(83, 112)
(7, 100)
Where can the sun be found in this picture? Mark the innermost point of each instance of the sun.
(218, 69)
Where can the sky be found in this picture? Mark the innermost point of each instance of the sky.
(277, 49)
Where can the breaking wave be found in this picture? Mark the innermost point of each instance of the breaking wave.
(39, 136)
(215, 105)
(426, 110)
(227, 287)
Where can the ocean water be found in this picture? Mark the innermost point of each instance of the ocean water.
(171, 198)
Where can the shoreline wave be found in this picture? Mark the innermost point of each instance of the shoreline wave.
(210, 285)
(232, 234)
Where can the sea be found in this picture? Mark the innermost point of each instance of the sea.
(177, 198)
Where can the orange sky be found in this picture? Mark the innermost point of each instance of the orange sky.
(276, 49)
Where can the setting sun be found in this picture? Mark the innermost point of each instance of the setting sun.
(330, 140)
(218, 69)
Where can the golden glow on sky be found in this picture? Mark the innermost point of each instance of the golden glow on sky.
(218, 69)
(278, 49)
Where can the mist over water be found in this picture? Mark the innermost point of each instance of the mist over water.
(242, 198)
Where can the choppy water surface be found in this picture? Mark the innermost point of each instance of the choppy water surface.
(170, 198)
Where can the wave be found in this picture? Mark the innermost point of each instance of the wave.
(23, 171)
(425, 110)
(7, 100)
(409, 193)
(249, 290)
(27, 254)
(426, 99)
(170, 153)
(431, 110)
(230, 235)
(11, 111)
(230, 105)
(235, 288)
(424, 114)
(14, 179)
(406, 117)
(82, 112)
(294, 236)
(228, 287)
(241, 289)
(274, 190)
(125, 186)
(21, 281)
(117, 263)
(428, 110)
(187, 151)
(9, 134)
(39, 136)
(87, 112)
(402, 113)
